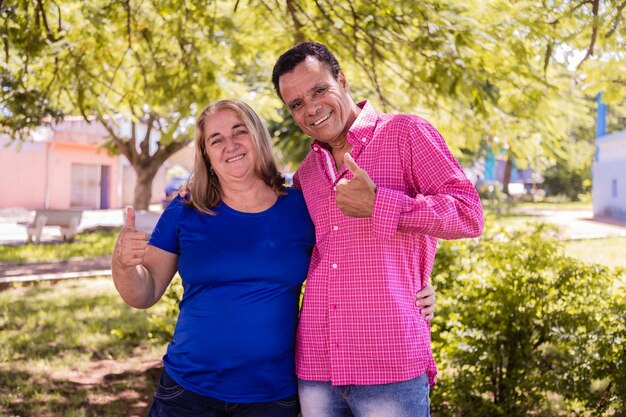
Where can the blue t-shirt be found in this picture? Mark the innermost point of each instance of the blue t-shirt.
(242, 273)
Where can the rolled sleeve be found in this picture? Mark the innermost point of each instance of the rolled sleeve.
(388, 204)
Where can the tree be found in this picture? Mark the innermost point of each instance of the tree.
(490, 72)
(154, 64)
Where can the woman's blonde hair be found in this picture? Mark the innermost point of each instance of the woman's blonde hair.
(204, 187)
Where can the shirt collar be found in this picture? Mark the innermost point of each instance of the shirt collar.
(361, 131)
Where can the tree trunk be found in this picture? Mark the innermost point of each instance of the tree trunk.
(146, 165)
(143, 187)
(506, 178)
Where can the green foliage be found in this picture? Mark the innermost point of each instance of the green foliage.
(24, 105)
(494, 71)
(572, 182)
(290, 142)
(87, 244)
(521, 329)
(570, 173)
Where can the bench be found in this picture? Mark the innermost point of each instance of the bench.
(67, 220)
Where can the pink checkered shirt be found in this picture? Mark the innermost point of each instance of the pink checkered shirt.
(359, 323)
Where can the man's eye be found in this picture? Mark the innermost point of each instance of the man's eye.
(320, 91)
(295, 106)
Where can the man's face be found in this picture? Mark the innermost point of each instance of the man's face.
(319, 104)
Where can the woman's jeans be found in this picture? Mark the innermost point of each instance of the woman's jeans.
(399, 399)
(172, 400)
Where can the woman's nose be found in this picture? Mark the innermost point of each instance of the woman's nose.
(231, 143)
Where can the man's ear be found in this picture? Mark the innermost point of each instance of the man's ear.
(341, 78)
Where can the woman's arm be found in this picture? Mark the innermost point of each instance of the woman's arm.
(141, 272)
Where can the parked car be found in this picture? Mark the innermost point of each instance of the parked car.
(171, 189)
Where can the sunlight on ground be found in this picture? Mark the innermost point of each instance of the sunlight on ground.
(609, 252)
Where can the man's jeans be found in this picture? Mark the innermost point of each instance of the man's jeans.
(399, 399)
(172, 400)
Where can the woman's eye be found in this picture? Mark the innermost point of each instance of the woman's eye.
(241, 132)
(216, 141)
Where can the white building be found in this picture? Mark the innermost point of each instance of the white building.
(609, 177)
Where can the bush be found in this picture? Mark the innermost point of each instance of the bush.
(521, 329)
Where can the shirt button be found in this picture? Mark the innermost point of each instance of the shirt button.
(335, 228)
(364, 140)
(334, 266)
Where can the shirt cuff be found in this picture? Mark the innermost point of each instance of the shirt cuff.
(388, 205)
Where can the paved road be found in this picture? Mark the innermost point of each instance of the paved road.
(52, 270)
(579, 224)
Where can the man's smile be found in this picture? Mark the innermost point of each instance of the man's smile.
(323, 119)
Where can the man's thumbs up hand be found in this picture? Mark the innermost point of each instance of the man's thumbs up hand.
(351, 164)
(131, 245)
(355, 197)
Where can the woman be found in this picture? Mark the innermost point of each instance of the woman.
(241, 242)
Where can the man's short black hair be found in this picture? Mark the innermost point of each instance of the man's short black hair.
(290, 59)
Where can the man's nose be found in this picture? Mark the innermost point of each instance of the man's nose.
(312, 108)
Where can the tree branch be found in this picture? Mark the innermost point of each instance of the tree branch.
(124, 146)
(569, 12)
(145, 143)
(42, 14)
(299, 36)
(594, 33)
(128, 25)
(618, 18)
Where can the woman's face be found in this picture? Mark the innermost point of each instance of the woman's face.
(230, 148)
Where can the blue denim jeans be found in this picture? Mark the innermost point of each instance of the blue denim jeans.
(399, 399)
(172, 400)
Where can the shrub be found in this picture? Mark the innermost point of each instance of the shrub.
(521, 329)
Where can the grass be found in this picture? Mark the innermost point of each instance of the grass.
(610, 251)
(91, 243)
(73, 348)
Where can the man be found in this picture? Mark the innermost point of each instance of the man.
(380, 189)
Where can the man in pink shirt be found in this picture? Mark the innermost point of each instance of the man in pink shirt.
(381, 189)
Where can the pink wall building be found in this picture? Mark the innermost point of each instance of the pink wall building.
(64, 167)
